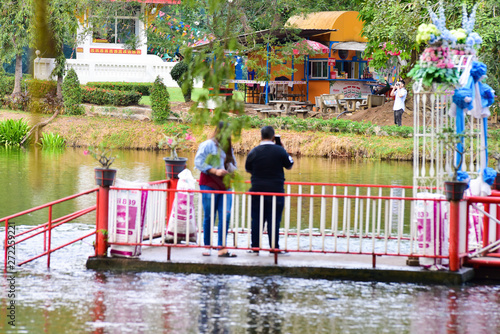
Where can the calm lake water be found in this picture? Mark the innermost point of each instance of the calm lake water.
(71, 299)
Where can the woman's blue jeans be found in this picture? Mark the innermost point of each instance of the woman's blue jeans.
(218, 211)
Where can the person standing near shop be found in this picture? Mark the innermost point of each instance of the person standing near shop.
(265, 163)
(399, 92)
(215, 159)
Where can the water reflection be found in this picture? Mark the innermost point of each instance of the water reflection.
(71, 299)
(264, 300)
(39, 176)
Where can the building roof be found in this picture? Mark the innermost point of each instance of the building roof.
(346, 25)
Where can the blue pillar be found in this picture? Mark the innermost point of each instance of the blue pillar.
(307, 77)
(267, 72)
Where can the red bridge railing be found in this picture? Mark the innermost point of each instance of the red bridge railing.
(12, 239)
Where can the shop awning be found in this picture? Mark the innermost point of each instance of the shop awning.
(355, 46)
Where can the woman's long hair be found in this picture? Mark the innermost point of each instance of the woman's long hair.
(222, 136)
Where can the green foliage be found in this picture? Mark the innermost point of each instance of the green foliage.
(428, 75)
(102, 154)
(330, 125)
(394, 24)
(14, 23)
(52, 140)
(140, 87)
(160, 101)
(18, 102)
(178, 73)
(103, 97)
(172, 129)
(72, 94)
(41, 88)
(6, 85)
(13, 131)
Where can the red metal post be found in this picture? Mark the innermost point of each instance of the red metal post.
(49, 226)
(454, 235)
(496, 225)
(101, 244)
(486, 225)
(171, 184)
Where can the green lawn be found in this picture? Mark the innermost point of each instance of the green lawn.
(176, 95)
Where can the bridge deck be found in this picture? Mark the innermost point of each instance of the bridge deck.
(303, 265)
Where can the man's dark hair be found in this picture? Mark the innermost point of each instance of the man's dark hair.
(267, 132)
(402, 81)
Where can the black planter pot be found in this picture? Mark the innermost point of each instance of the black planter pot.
(105, 177)
(496, 183)
(174, 166)
(454, 190)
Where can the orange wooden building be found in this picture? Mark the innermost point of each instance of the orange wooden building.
(337, 66)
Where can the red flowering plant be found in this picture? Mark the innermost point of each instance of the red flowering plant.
(175, 137)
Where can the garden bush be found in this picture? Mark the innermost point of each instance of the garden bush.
(103, 97)
(13, 131)
(41, 88)
(330, 125)
(177, 74)
(143, 88)
(6, 85)
(72, 94)
(160, 101)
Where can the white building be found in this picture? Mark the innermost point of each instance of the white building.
(102, 56)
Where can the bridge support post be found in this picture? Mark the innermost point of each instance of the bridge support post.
(171, 184)
(454, 235)
(101, 239)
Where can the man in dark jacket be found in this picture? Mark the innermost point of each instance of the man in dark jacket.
(266, 162)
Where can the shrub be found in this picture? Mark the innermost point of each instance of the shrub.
(143, 88)
(72, 94)
(160, 101)
(19, 102)
(331, 125)
(103, 97)
(177, 74)
(13, 131)
(41, 88)
(6, 85)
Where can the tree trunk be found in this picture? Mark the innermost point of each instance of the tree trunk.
(18, 75)
(59, 86)
(37, 127)
(187, 95)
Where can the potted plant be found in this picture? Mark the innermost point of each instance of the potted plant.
(104, 176)
(455, 187)
(177, 137)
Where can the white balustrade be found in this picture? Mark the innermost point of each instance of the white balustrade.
(145, 69)
(361, 220)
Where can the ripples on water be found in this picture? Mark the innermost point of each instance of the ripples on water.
(70, 299)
